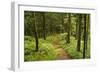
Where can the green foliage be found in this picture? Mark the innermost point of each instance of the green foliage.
(29, 45)
(46, 50)
(72, 50)
(52, 31)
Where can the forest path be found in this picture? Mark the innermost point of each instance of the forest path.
(61, 54)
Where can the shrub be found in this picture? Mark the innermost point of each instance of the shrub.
(46, 50)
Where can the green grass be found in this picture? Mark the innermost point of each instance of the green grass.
(47, 51)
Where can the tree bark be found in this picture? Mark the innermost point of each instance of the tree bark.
(87, 28)
(76, 26)
(62, 18)
(79, 32)
(36, 34)
(85, 37)
(69, 26)
(44, 27)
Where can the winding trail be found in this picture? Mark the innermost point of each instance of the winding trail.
(61, 54)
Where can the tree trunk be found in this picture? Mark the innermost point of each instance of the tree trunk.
(62, 18)
(69, 26)
(85, 37)
(76, 26)
(79, 32)
(35, 33)
(44, 27)
(87, 28)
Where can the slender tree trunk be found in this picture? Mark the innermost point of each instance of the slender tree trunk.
(79, 32)
(87, 28)
(35, 33)
(62, 18)
(44, 27)
(76, 27)
(50, 28)
(69, 26)
(85, 37)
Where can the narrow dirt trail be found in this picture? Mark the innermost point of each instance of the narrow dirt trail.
(61, 54)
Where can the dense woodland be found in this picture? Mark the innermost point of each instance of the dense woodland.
(56, 36)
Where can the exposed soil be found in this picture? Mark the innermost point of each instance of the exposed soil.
(61, 54)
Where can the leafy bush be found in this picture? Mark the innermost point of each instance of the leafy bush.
(46, 50)
(71, 49)
(28, 38)
(29, 45)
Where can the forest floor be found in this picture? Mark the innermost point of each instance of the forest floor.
(53, 48)
(61, 53)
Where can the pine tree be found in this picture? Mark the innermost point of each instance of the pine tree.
(85, 37)
(79, 32)
(44, 26)
(35, 33)
(69, 27)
